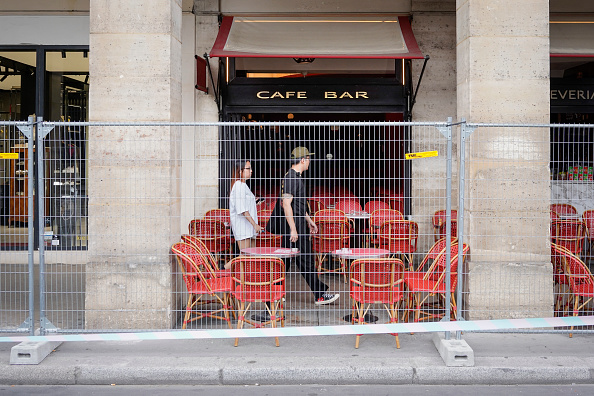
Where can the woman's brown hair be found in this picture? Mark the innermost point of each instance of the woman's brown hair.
(238, 166)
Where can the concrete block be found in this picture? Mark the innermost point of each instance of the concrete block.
(455, 353)
(30, 352)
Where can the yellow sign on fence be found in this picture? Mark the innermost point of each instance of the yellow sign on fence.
(9, 155)
(423, 154)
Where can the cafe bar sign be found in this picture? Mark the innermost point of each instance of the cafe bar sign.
(261, 95)
(578, 92)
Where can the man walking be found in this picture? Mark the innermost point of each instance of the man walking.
(294, 204)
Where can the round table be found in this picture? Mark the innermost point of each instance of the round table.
(271, 252)
(358, 215)
(359, 253)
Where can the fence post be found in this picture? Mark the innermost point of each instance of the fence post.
(42, 131)
(465, 132)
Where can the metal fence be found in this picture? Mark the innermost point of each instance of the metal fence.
(112, 199)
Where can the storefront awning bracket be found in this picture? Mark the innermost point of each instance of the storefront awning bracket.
(414, 98)
(217, 98)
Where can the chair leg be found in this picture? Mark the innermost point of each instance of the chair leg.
(188, 310)
(241, 318)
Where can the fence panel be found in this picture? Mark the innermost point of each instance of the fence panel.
(524, 189)
(16, 227)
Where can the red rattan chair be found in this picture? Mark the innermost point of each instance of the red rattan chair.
(372, 206)
(194, 269)
(423, 286)
(396, 204)
(570, 234)
(207, 255)
(434, 251)
(221, 215)
(267, 239)
(348, 206)
(581, 284)
(214, 234)
(399, 237)
(332, 235)
(588, 219)
(258, 280)
(376, 281)
(315, 205)
(439, 224)
(264, 217)
(377, 218)
(563, 299)
(563, 209)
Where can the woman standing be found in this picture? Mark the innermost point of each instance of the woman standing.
(242, 207)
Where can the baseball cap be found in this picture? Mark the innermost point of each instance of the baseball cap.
(300, 152)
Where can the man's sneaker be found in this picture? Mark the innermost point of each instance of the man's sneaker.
(327, 298)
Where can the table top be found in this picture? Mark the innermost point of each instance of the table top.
(358, 215)
(271, 251)
(357, 253)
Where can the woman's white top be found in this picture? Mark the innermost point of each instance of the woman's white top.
(242, 200)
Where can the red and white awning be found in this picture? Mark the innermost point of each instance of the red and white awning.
(316, 37)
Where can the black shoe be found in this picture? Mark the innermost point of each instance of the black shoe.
(327, 298)
(261, 317)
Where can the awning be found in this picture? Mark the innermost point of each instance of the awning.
(316, 37)
(572, 38)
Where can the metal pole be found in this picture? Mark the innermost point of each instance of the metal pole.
(30, 227)
(461, 175)
(448, 297)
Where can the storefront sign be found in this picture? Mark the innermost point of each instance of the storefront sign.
(299, 93)
(576, 94)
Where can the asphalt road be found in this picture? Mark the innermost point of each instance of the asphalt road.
(309, 390)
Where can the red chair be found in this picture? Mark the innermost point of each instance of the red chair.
(399, 237)
(258, 280)
(221, 215)
(376, 281)
(588, 219)
(570, 234)
(396, 204)
(581, 284)
(349, 206)
(264, 217)
(315, 204)
(372, 206)
(439, 224)
(267, 239)
(207, 255)
(563, 209)
(422, 286)
(559, 256)
(332, 235)
(214, 234)
(377, 218)
(193, 268)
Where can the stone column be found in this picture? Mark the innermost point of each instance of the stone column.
(503, 77)
(134, 172)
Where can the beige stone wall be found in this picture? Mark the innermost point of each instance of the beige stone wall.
(503, 76)
(134, 172)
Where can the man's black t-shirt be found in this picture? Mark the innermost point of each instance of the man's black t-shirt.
(293, 184)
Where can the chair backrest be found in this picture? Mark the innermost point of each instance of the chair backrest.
(569, 234)
(588, 218)
(257, 278)
(191, 264)
(380, 216)
(398, 235)
(267, 239)
(554, 215)
(315, 205)
(221, 215)
(332, 235)
(563, 209)
(349, 205)
(439, 217)
(437, 271)
(376, 280)
(264, 217)
(559, 256)
(207, 228)
(372, 206)
(438, 247)
(396, 204)
(329, 214)
(203, 250)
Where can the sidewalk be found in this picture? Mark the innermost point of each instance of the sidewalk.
(499, 359)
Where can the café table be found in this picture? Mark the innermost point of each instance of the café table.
(360, 253)
(271, 252)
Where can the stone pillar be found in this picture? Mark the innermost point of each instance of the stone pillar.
(503, 77)
(134, 172)
(434, 26)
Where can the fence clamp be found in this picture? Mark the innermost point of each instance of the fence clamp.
(44, 130)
